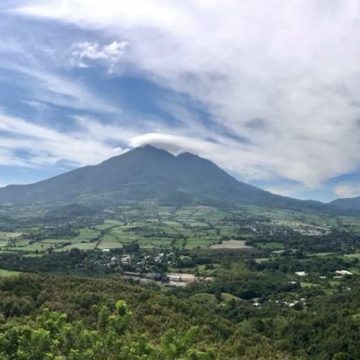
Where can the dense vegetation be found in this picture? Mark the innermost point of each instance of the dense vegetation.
(45, 317)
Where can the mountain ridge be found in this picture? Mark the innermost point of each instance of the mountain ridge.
(150, 173)
(347, 204)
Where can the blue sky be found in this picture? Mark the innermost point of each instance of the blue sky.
(267, 89)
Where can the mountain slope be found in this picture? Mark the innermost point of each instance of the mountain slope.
(148, 173)
(348, 204)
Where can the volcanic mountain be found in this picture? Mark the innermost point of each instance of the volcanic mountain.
(149, 174)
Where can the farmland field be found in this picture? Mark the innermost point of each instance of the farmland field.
(179, 228)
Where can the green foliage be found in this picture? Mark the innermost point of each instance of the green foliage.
(91, 319)
(58, 318)
(52, 337)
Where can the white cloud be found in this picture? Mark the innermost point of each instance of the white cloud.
(292, 63)
(174, 143)
(83, 54)
(48, 147)
(39, 106)
(90, 142)
(49, 87)
(41, 68)
(59, 90)
(347, 190)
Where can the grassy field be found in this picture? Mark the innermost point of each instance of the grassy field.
(8, 273)
(6, 236)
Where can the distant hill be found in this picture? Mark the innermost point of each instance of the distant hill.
(348, 204)
(149, 174)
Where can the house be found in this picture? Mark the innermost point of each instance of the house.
(125, 259)
(178, 277)
(343, 272)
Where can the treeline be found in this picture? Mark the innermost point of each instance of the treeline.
(338, 241)
(315, 265)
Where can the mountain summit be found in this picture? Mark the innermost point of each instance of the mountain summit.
(148, 174)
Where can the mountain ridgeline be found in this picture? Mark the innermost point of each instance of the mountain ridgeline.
(149, 174)
(347, 204)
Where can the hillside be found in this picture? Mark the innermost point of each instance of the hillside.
(47, 317)
(149, 174)
(349, 204)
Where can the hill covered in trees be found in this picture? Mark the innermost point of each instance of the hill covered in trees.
(45, 317)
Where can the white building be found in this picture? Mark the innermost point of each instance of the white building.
(343, 272)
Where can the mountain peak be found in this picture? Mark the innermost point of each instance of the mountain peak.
(187, 154)
(155, 149)
(150, 149)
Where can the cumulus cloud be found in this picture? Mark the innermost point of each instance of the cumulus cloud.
(293, 64)
(83, 54)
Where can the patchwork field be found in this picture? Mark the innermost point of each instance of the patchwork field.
(181, 228)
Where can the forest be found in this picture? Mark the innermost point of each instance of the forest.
(52, 317)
